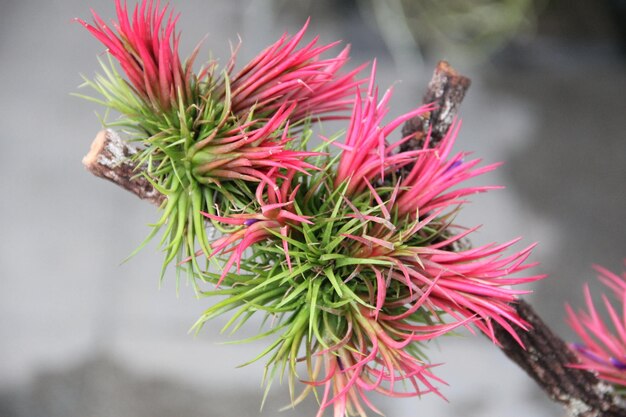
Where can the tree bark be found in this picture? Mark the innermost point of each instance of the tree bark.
(545, 357)
(546, 360)
(446, 89)
(109, 158)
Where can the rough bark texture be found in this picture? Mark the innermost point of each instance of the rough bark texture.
(546, 357)
(109, 158)
(546, 360)
(446, 90)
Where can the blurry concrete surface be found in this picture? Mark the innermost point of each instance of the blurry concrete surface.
(83, 335)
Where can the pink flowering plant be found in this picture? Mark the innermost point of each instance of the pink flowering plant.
(207, 137)
(602, 349)
(350, 248)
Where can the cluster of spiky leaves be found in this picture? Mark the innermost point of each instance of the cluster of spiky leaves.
(603, 347)
(353, 255)
(207, 138)
(359, 268)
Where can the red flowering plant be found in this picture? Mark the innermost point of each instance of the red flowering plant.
(602, 349)
(350, 247)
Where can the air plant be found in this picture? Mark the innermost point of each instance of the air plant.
(360, 272)
(209, 137)
(353, 256)
(602, 349)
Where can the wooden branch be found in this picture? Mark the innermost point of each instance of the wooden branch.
(109, 158)
(546, 358)
(446, 90)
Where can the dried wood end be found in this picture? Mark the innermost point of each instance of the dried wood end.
(110, 158)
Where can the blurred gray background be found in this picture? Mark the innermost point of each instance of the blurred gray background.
(82, 335)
